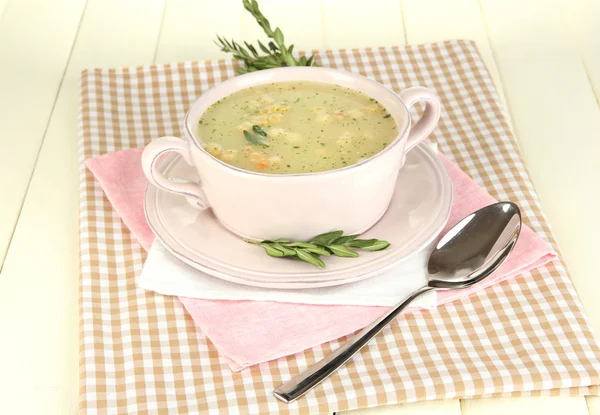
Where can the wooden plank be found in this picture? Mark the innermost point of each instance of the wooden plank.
(436, 20)
(558, 405)
(42, 265)
(557, 122)
(2, 7)
(301, 22)
(433, 20)
(30, 75)
(358, 24)
(583, 17)
(448, 407)
(190, 27)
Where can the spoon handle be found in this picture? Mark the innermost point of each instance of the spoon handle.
(311, 377)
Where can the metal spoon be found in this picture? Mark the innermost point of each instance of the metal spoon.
(468, 253)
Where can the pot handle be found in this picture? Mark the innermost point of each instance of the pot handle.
(150, 156)
(430, 117)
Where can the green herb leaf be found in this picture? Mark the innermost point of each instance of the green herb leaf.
(387, 116)
(343, 240)
(259, 131)
(310, 258)
(307, 246)
(281, 240)
(272, 60)
(251, 241)
(271, 251)
(289, 59)
(343, 251)
(286, 251)
(255, 139)
(252, 49)
(263, 47)
(278, 36)
(318, 251)
(299, 244)
(361, 243)
(327, 238)
(377, 246)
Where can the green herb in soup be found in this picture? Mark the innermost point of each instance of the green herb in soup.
(295, 127)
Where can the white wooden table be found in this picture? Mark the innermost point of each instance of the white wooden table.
(543, 55)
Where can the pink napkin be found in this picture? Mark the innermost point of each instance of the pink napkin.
(250, 332)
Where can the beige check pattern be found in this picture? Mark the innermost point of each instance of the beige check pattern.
(140, 352)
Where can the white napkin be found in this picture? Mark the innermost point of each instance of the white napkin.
(165, 274)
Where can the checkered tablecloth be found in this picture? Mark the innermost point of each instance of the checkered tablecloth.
(140, 352)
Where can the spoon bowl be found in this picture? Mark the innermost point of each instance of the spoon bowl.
(472, 250)
(475, 247)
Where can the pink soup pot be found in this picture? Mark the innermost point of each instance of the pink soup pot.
(297, 206)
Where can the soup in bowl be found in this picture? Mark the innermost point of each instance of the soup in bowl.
(295, 127)
(295, 152)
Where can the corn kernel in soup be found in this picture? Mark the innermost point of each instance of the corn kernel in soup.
(295, 127)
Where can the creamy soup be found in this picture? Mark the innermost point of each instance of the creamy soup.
(295, 127)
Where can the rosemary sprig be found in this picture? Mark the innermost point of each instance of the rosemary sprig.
(277, 53)
(330, 243)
